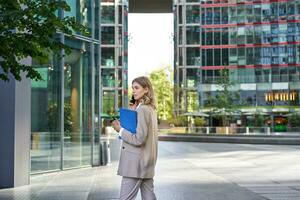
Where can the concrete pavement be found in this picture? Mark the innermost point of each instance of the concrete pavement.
(185, 171)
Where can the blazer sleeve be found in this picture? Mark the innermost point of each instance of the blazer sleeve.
(140, 137)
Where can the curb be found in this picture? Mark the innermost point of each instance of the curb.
(241, 139)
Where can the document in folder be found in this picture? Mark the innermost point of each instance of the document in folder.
(128, 119)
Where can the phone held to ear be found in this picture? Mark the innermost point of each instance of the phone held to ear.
(132, 100)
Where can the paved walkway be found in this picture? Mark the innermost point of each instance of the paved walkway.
(185, 171)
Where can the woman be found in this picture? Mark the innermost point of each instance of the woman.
(139, 151)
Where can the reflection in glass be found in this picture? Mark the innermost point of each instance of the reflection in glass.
(193, 35)
(45, 116)
(107, 35)
(108, 77)
(108, 57)
(193, 56)
(82, 12)
(192, 77)
(77, 103)
(192, 101)
(192, 14)
(107, 14)
(108, 106)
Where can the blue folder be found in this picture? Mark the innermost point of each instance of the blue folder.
(128, 119)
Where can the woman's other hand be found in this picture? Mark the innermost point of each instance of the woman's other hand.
(116, 125)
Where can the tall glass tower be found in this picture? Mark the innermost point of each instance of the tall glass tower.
(257, 41)
(114, 54)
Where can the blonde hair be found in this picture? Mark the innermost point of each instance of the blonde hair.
(149, 97)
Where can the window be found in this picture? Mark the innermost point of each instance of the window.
(225, 36)
(108, 57)
(193, 35)
(192, 14)
(217, 36)
(107, 35)
(225, 57)
(217, 15)
(217, 57)
(193, 56)
(209, 57)
(108, 77)
(192, 77)
(107, 14)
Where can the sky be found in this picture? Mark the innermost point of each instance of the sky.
(150, 44)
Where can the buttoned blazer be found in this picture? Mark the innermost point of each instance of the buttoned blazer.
(138, 153)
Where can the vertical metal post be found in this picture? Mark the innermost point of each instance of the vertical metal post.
(93, 80)
(62, 86)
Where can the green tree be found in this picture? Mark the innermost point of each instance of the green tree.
(162, 81)
(294, 120)
(259, 120)
(27, 28)
(225, 103)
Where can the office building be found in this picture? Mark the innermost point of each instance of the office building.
(257, 41)
(80, 89)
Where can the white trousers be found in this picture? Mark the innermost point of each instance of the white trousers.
(130, 188)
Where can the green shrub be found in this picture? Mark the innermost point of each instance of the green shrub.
(259, 121)
(199, 121)
(179, 121)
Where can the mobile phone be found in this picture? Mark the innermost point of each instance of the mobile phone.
(132, 100)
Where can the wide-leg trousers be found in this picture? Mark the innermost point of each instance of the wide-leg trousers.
(130, 188)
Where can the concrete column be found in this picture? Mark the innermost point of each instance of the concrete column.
(15, 129)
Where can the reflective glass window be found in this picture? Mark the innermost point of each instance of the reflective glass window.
(249, 56)
(107, 35)
(108, 103)
(233, 57)
(249, 13)
(241, 56)
(192, 14)
(107, 14)
(282, 10)
(209, 16)
(232, 15)
(193, 56)
(217, 15)
(192, 101)
(225, 36)
(290, 11)
(266, 12)
(108, 57)
(225, 17)
(217, 57)
(257, 12)
(209, 36)
(217, 36)
(81, 10)
(192, 77)
(193, 35)
(45, 115)
(274, 12)
(209, 57)
(232, 35)
(225, 57)
(241, 14)
(77, 105)
(108, 78)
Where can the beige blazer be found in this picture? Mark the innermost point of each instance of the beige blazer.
(139, 152)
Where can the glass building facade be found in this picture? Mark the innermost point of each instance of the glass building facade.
(67, 105)
(258, 41)
(114, 55)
